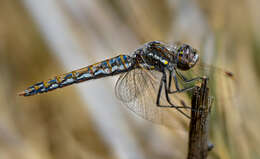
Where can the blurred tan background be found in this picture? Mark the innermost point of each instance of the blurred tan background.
(39, 39)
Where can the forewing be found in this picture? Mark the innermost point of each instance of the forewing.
(138, 90)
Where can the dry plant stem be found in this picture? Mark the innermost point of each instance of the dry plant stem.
(198, 135)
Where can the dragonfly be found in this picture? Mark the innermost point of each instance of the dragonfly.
(145, 82)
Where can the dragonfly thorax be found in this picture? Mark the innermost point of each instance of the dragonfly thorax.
(156, 55)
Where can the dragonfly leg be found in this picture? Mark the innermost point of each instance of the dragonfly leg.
(172, 73)
(184, 79)
(178, 108)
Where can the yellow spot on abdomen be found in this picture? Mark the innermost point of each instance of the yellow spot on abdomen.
(123, 61)
(36, 87)
(109, 66)
(58, 79)
(45, 83)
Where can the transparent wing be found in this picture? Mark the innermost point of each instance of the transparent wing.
(126, 87)
(138, 90)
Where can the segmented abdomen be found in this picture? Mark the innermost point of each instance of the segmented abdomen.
(116, 65)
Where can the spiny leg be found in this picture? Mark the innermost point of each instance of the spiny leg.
(170, 82)
(178, 90)
(164, 82)
(184, 79)
(177, 86)
(172, 74)
(169, 101)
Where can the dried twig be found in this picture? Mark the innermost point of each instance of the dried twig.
(198, 135)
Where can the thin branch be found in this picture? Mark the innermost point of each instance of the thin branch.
(198, 135)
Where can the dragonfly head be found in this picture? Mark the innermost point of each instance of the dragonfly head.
(187, 57)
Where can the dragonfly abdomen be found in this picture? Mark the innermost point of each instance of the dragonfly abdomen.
(109, 67)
